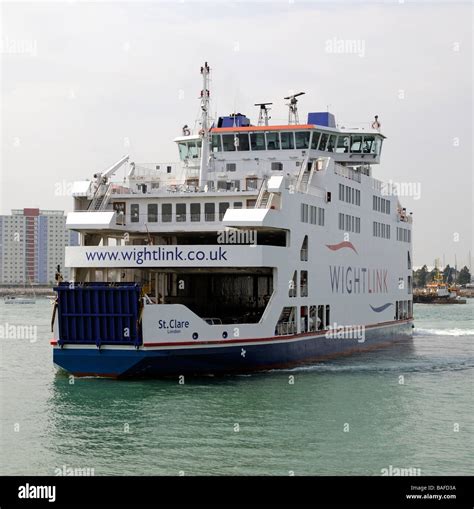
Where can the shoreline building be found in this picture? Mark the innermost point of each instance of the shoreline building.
(32, 244)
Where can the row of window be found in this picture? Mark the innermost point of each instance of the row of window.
(349, 194)
(403, 309)
(293, 284)
(312, 214)
(349, 223)
(181, 211)
(381, 204)
(381, 230)
(274, 140)
(312, 318)
(403, 234)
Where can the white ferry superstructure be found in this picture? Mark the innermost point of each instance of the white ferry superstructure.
(265, 246)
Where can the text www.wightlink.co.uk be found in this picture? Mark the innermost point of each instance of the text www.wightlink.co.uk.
(157, 254)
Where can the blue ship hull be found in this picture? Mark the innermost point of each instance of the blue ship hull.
(246, 356)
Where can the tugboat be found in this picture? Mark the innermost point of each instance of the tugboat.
(437, 292)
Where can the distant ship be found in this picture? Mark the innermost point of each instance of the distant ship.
(437, 292)
(265, 246)
(19, 299)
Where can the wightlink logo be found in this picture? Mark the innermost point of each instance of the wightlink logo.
(355, 332)
(358, 279)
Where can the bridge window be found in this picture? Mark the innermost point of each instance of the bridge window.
(323, 141)
(216, 143)
(181, 212)
(287, 141)
(243, 141)
(183, 151)
(135, 212)
(342, 144)
(228, 142)
(273, 141)
(368, 146)
(331, 143)
(166, 212)
(257, 141)
(302, 139)
(356, 144)
(152, 212)
(315, 140)
(195, 212)
(210, 211)
(222, 209)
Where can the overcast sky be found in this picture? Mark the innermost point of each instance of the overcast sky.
(84, 83)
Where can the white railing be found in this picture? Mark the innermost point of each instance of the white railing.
(349, 173)
(285, 328)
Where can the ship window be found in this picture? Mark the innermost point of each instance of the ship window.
(243, 141)
(304, 283)
(292, 285)
(356, 143)
(152, 212)
(236, 185)
(228, 142)
(181, 212)
(287, 141)
(194, 151)
(195, 212)
(312, 318)
(183, 151)
(216, 143)
(304, 250)
(323, 141)
(368, 147)
(237, 204)
(302, 139)
(342, 144)
(409, 260)
(273, 141)
(135, 212)
(166, 212)
(328, 316)
(277, 166)
(251, 183)
(331, 143)
(222, 209)
(210, 211)
(230, 166)
(257, 141)
(315, 139)
(320, 319)
(222, 185)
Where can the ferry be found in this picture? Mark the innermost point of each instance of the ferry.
(264, 247)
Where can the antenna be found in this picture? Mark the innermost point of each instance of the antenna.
(293, 108)
(204, 131)
(263, 113)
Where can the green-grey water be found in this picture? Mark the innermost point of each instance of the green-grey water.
(406, 406)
